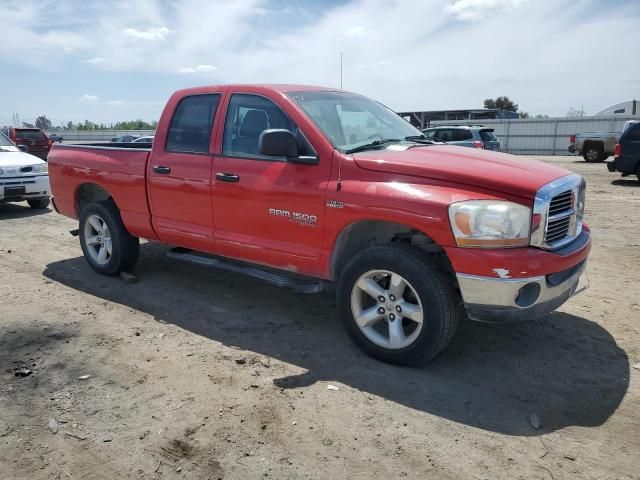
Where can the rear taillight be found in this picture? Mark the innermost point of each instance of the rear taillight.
(572, 139)
(478, 144)
(617, 151)
(12, 136)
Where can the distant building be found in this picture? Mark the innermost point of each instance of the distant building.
(422, 119)
(631, 107)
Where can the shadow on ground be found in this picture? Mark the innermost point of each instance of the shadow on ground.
(626, 182)
(20, 210)
(565, 369)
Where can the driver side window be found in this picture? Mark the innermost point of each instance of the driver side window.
(247, 117)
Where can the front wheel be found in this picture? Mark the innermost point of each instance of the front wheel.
(398, 305)
(106, 244)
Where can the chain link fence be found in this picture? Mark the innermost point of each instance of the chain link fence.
(544, 136)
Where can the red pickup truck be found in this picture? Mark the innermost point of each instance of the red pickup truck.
(311, 187)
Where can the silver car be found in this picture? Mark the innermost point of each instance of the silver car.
(476, 136)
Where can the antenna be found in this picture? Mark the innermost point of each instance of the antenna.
(339, 184)
(341, 71)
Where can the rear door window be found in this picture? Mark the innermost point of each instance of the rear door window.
(444, 135)
(190, 128)
(461, 134)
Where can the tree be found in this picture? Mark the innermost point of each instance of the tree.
(70, 125)
(501, 103)
(523, 114)
(28, 125)
(43, 123)
(573, 112)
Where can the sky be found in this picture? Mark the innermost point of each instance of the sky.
(120, 60)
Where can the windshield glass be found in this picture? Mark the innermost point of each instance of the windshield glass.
(350, 120)
(4, 141)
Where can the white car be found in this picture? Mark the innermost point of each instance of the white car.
(22, 176)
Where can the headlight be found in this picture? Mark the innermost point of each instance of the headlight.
(40, 168)
(490, 223)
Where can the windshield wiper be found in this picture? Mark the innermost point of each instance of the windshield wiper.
(420, 139)
(371, 145)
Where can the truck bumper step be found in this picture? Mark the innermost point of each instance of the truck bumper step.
(294, 282)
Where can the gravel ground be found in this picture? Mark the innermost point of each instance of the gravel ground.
(195, 373)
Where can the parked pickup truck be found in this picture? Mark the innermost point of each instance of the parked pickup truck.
(311, 188)
(594, 147)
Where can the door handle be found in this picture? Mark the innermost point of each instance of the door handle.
(227, 177)
(161, 169)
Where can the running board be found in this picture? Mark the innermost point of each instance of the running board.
(296, 283)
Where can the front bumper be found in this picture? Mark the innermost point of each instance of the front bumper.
(35, 186)
(489, 299)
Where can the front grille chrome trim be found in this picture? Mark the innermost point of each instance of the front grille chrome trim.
(554, 227)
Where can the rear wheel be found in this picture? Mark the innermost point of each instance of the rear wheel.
(39, 203)
(107, 245)
(397, 305)
(593, 153)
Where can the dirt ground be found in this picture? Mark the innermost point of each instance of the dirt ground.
(195, 373)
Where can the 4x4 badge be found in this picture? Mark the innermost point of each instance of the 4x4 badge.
(334, 204)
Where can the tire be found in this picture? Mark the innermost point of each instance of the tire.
(39, 203)
(426, 285)
(100, 228)
(593, 153)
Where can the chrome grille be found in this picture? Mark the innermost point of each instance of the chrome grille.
(558, 211)
(561, 214)
(561, 203)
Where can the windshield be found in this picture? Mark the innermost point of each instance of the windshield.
(4, 141)
(351, 121)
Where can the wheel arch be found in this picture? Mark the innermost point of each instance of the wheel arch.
(90, 192)
(362, 234)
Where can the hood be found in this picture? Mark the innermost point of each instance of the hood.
(14, 157)
(495, 171)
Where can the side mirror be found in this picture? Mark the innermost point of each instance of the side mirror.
(23, 148)
(279, 142)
